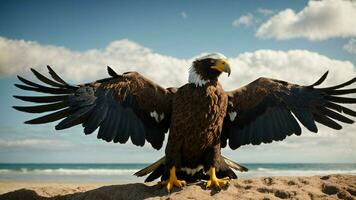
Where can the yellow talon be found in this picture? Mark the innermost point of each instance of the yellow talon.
(214, 181)
(173, 181)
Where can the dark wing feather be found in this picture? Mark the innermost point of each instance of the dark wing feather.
(96, 118)
(72, 119)
(46, 80)
(42, 99)
(340, 109)
(305, 116)
(332, 114)
(42, 108)
(323, 119)
(121, 106)
(51, 117)
(47, 90)
(56, 77)
(321, 79)
(264, 110)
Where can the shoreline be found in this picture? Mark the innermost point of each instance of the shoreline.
(285, 187)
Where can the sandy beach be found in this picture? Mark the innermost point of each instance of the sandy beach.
(314, 187)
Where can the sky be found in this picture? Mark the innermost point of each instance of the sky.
(296, 41)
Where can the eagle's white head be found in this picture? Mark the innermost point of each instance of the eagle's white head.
(208, 68)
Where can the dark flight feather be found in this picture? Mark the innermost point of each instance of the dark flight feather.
(71, 119)
(112, 73)
(46, 80)
(51, 117)
(340, 85)
(96, 118)
(335, 115)
(327, 121)
(341, 99)
(44, 89)
(137, 137)
(42, 99)
(42, 108)
(125, 131)
(120, 135)
(321, 80)
(340, 108)
(266, 104)
(55, 76)
(116, 126)
(29, 83)
(305, 116)
(106, 131)
(341, 92)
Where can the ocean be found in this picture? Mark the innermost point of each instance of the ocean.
(123, 173)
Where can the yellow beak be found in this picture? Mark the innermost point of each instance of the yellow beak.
(222, 66)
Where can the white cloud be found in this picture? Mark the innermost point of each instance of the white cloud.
(246, 20)
(17, 56)
(297, 66)
(125, 55)
(184, 15)
(265, 11)
(319, 20)
(350, 46)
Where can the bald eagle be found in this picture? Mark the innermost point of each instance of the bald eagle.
(201, 117)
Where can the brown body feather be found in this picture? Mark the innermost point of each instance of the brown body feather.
(197, 119)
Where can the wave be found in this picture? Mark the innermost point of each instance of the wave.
(67, 172)
(298, 172)
(108, 172)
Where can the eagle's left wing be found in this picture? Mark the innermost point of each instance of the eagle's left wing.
(261, 112)
(121, 106)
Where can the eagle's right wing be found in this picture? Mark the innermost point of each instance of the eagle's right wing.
(122, 106)
(267, 110)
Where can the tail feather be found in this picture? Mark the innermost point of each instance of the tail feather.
(156, 170)
(150, 168)
(234, 165)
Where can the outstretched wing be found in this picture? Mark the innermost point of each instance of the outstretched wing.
(122, 106)
(266, 110)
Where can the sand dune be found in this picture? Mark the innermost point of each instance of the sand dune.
(315, 187)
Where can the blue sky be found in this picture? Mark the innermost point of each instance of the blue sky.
(55, 32)
(157, 25)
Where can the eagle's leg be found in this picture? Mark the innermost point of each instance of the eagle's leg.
(173, 181)
(215, 181)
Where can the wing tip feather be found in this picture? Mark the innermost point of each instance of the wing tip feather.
(19, 77)
(33, 70)
(111, 72)
(32, 121)
(321, 79)
(16, 108)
